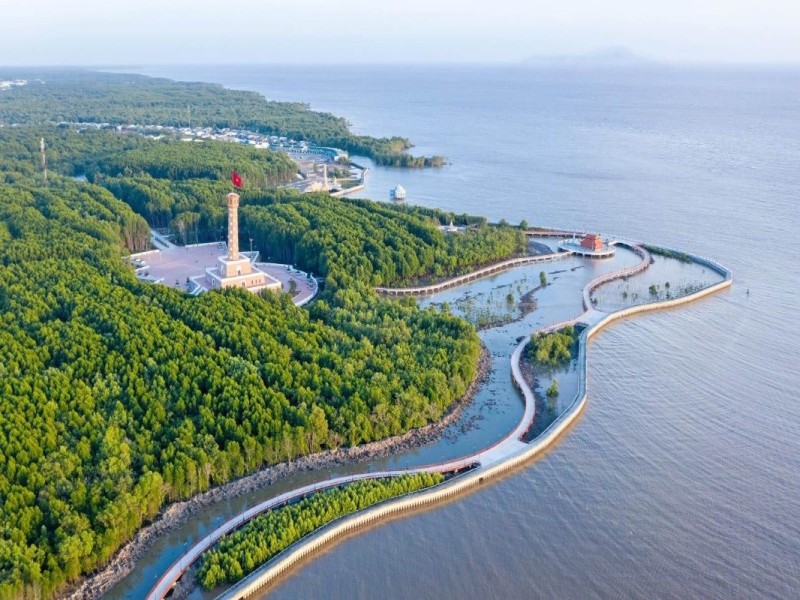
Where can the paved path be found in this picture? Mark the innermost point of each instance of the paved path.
(159, 241)
(307, 288)
(473, 275)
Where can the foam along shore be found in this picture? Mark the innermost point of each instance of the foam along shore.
(506, 454)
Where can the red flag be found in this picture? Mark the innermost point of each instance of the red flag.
(236, 179)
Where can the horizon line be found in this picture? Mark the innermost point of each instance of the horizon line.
(537, 62)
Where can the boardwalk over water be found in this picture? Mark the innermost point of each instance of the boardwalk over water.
(473, 275)
(499, 457)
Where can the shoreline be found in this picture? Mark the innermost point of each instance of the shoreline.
(178, 513)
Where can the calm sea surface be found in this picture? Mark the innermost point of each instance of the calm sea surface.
(682, 478)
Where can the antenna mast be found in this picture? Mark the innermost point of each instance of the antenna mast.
(44, 159)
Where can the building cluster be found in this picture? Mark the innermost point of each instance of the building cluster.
(237, 136)
(7, 84)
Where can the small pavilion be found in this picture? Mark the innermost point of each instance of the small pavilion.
(591, 245)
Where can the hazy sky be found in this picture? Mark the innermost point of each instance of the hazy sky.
(313, 31)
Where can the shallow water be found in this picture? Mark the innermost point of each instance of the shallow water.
(671, 277)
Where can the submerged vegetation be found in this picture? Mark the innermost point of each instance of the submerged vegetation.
(266, 535)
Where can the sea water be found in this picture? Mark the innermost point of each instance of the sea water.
(681, 477)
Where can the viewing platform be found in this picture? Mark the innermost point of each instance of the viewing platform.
(591, 246)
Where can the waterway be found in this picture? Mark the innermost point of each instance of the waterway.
(680, 479)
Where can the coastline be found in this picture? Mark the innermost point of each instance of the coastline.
(495, 464)
(177, 513)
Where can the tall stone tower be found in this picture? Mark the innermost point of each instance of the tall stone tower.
(233, 226)
(235, 270)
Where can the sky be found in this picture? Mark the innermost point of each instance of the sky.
(143, 32)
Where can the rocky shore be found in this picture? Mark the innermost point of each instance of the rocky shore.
(178, 513)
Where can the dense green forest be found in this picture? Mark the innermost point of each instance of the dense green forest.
(97, 153)
(74, 95)
(169, 182)
(117, 396)
(242, 552)
(555, 348)
(360, 241)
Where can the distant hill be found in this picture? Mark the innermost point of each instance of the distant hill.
(608, 56)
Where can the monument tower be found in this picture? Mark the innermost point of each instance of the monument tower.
(233, 226)
(235, 269)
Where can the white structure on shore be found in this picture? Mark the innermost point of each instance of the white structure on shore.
(325, 185)
(235, 270)
(398, 193)
(592, 245)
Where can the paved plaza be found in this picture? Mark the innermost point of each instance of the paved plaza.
(183, 267)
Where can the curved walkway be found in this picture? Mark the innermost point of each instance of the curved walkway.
(473, 275)
(307, 287)
(624, 272)
(501, 456)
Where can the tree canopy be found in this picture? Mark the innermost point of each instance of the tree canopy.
(240, 553)
(354, 242)
(117, 396)
(554, 348)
